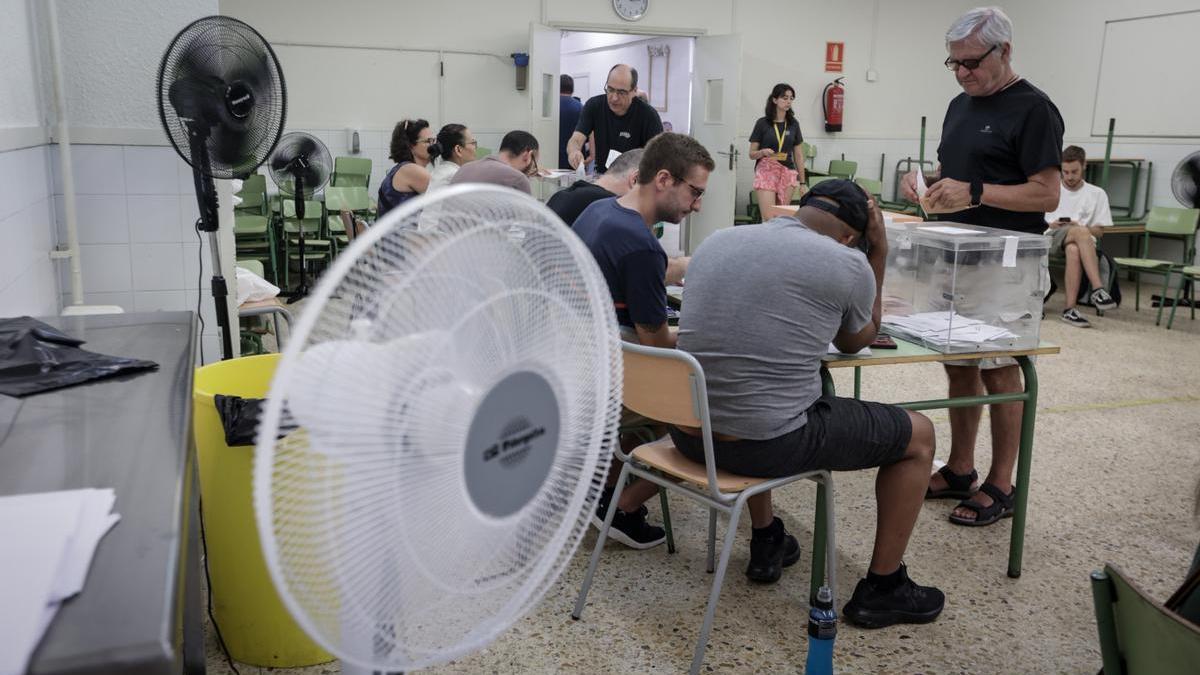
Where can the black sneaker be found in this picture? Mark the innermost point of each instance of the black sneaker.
(1102, 300)
(1074, 318)
(906, 603)
(630, 529)
(770, 552)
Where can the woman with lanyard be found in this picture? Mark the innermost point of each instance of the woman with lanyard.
(775, 145)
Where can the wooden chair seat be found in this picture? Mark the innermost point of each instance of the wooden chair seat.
(665, 457)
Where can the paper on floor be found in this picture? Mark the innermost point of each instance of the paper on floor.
(50, 540)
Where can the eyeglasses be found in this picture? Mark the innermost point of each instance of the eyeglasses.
(427, 141)
(617, 92)
(473, 142)
(969, 64)
(697, 193)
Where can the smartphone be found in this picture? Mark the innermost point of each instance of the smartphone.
(1064, 219)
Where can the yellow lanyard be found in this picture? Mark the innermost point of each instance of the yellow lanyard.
(781, 154)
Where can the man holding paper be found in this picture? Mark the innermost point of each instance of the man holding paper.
(620, 120)
(1000, 154)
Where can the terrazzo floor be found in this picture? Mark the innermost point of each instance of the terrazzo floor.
(1116, 463)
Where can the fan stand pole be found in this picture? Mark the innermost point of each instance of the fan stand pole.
(206, 198)
(302, 291)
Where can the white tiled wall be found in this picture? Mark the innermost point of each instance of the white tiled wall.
(28, 285)
(138, 247)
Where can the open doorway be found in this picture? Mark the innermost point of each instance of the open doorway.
(664, 65)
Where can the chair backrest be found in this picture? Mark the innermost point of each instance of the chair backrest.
(810, 151)
(312, 209)
(820, 179)
(667, 385)
(842, 168)
(255, 266)
(347, 199)
(875, 187)
(1138, 634)
(255, 182)
(351, 172)
(481, 152)
(1168, 220)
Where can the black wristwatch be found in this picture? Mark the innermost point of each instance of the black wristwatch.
(976, 193)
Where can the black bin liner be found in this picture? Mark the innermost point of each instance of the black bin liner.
(37, 357)
(240, 416)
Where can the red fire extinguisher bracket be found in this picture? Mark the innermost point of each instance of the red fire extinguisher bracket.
(833, 105)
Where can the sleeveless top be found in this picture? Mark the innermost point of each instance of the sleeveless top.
(389, 196)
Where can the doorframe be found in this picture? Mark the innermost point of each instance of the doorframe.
(626, 29)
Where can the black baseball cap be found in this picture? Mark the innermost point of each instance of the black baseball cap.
(851, 207)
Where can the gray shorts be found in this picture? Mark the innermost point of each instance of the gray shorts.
(842, 434)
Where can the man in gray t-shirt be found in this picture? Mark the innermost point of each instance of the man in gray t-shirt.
(762, 304)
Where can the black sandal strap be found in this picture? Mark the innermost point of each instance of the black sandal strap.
(999, 497)
(958, 482)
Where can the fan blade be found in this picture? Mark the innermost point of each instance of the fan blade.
(1191, 168)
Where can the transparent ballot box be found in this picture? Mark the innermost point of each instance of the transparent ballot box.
(957, 288)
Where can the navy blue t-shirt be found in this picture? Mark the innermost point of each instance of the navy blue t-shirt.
(568, 118)
(633, 262)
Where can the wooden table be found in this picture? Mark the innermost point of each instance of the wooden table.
(907, 352)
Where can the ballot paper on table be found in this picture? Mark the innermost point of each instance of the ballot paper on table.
(50, 539)
(947, 328)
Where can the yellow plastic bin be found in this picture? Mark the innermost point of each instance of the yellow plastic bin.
(256, 626)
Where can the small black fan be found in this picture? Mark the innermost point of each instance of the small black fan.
(1185, 181)
(222, 101)
(300, 166)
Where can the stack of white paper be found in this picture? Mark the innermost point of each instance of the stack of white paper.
(946, 328)
(49, 539)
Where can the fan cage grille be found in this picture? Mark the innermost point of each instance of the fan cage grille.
(367, 529)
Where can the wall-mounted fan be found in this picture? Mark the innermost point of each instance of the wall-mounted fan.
(1185, 181)
(222, 101)
(300, 166)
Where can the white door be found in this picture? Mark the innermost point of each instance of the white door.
(544, 50)
(716, 92)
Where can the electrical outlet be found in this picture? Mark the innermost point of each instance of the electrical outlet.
(872, 75)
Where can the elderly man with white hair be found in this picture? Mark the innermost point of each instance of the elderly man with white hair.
(1000, 155)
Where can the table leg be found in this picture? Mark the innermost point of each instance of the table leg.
(857, 383)
(1016, 546)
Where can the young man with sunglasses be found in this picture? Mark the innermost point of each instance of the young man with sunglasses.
(621, 121)
(1000, 154)
(619, 231)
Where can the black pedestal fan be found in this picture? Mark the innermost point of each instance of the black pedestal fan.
(222, 101)
(300, 166)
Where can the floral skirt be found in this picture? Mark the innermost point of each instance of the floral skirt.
(771, 175)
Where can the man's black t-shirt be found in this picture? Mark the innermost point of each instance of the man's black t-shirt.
(630, 131)
(571, 202)
(766, 133)
(1001, 139)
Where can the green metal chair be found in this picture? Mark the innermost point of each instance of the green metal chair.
(351, 172)
(253, 239)
(810, 154)
(1163, 220)
(1189, 274)
(481, 152)
(875, 187)
(814, 180)
(253, 195)
(316, 246)
(338, 199)
(842, 168)
(1137, 634)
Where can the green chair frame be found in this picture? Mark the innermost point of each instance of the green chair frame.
(351, 172)
(1165, 221)
(1187, 275)
(842, 168)
(338, 199)
(1138, 634)
(316, 246)
(253, 237)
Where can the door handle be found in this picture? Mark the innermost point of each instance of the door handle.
(732, 155)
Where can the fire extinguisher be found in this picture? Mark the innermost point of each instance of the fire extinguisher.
(833, 105)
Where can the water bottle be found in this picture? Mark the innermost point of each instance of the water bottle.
(822, 629)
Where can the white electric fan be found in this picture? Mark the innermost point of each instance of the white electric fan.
(457, 395)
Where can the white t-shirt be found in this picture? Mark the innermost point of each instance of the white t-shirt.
(1088, 206)
(441, 174)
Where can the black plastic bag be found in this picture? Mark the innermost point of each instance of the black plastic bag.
(36, 357)
(239, 418)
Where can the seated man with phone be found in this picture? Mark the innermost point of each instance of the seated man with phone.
(1074, 227)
